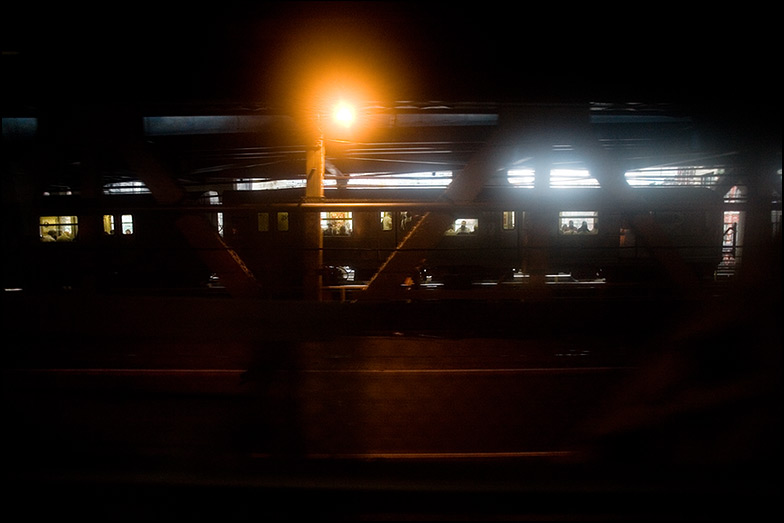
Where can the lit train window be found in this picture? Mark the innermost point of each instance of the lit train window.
(386, 221)
(732, 241)
(126, 224)
(58, 228)
(463, 226)
(508, 223)
(263, 221)
(108, 224)
(337, 223)
(736, 194)
(578, 222)
(283, 221)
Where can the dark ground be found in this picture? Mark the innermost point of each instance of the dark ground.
(137, 408)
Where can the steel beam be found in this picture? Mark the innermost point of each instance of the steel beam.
(499, 152)
(214, 252)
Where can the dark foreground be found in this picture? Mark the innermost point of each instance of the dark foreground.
(131, 408)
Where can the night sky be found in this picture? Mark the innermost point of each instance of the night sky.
(265, 52)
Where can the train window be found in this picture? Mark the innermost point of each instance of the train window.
(508, 223)
(283, 221)
(58, 228)
(775, 222)
(578, 222)
(733, 228)
(406, 220)
(263, 221)
(463, 226)
(126, 224)
(337, 223)
(108, 224)
(736, 194)
(219, 223)
(386, 221)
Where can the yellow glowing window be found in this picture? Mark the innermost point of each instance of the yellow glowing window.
(108, 224)
(58, 228)
(337, 223)
(125, 221)
(508, 222)
(386, 221)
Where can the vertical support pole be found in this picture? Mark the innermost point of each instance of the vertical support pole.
(315, 165)
(313, 237)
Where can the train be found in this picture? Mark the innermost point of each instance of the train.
(123, 242)
(130, 242)
(583, 233)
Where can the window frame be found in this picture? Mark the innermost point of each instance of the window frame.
(387, 226)
(590, 217)
(66, 231)
(471, 225)
(282, 221)
(339, 219)
(262, 222)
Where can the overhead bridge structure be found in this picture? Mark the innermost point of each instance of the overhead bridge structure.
(183, 155)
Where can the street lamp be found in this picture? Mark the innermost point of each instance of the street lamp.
(344, 116)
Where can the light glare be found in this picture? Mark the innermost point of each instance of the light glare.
(344, 114)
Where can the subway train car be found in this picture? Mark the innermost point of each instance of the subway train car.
(127, 242)
(117, 243)
(582, 233)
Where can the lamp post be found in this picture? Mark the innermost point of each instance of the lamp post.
(315, 161)
(315, 165)
(315, 158)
